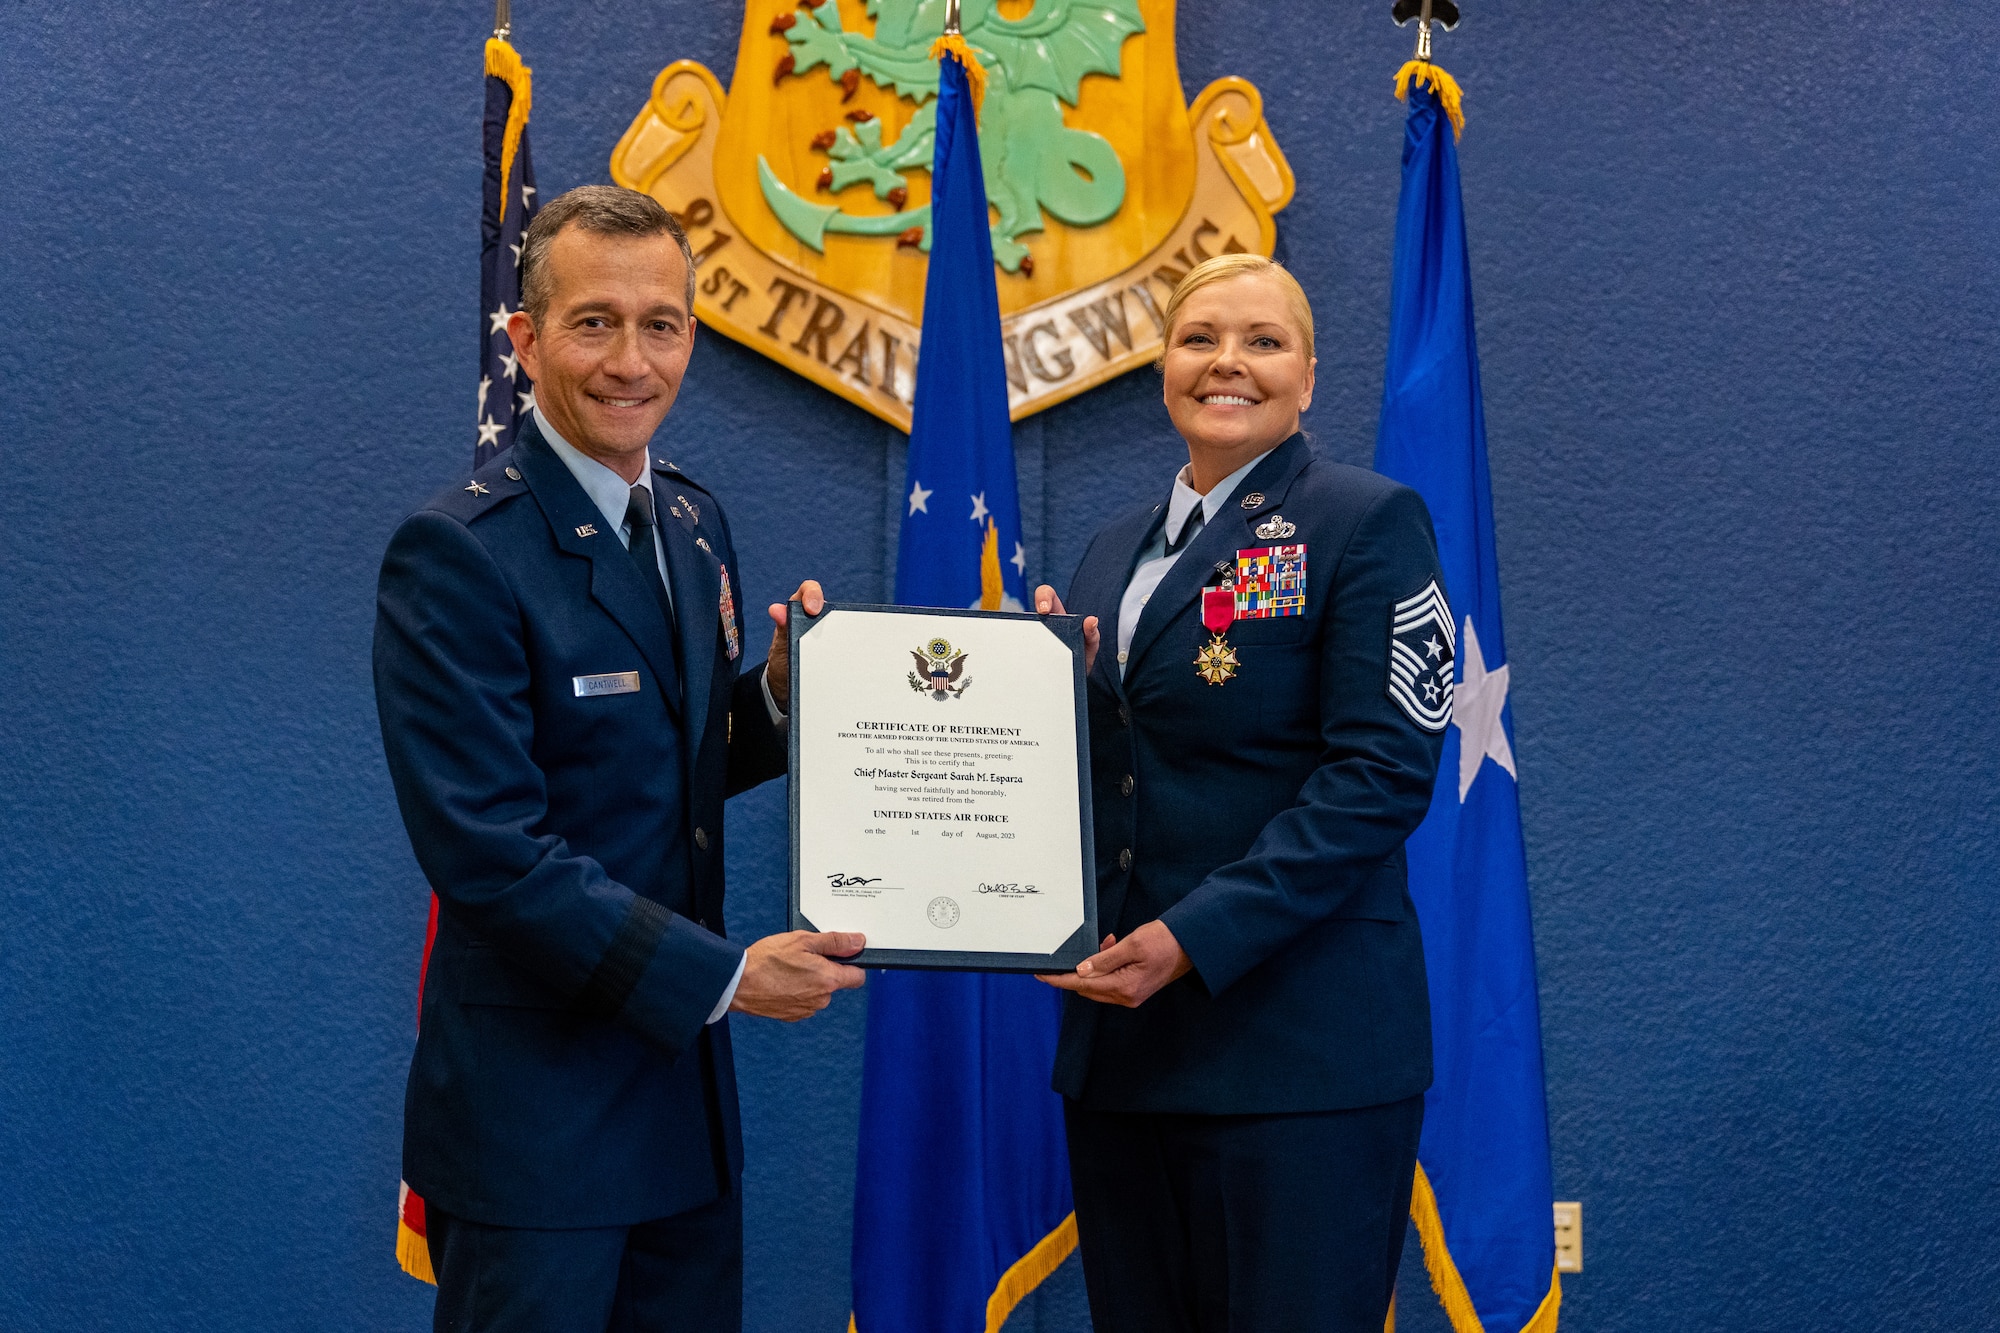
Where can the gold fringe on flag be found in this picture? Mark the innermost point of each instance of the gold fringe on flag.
(1445, 1279)
(1422, 72)
(1028, 1272)
(990, 588)
(504, 62)
(953, 45)
(414, 1253)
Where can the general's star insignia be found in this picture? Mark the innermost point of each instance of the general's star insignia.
(477, 488)
(1215, 661)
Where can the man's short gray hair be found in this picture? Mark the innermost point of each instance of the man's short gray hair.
(608, 210)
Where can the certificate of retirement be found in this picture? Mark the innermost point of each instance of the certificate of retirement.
(940, 787)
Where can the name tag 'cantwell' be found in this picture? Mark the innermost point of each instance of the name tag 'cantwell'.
(616, 682)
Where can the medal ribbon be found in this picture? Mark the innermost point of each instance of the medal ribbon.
(1218, 608)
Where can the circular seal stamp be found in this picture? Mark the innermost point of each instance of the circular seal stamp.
(943, 913)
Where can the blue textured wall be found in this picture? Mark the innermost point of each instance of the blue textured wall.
(1737, 282)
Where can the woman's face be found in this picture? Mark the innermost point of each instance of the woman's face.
(1237, 376)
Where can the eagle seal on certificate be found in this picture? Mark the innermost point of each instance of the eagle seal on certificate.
(938, 671)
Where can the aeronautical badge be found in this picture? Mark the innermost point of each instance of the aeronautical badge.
(1420, 656)
(731, 636)
(938, 671)
(1215, 661)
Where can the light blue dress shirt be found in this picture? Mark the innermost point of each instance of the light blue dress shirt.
(1154, 562)
(611, 494)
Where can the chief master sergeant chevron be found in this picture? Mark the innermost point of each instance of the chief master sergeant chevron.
(557, 650)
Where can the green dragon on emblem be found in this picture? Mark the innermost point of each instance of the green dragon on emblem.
(1033, 162)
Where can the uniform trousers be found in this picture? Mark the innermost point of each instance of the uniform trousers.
(683, 1272)
(1245, 1223)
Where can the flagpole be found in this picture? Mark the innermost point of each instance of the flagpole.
(1443, 13)
(503, 18)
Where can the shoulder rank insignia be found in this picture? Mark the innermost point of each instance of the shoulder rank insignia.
(477, 487)
(1420, 657)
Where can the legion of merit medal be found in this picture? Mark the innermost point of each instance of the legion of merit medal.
(1215, 661)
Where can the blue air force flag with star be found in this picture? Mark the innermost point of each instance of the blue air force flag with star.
(961, 540)
(1482, 1201)
(961, 1194)
(505, 394)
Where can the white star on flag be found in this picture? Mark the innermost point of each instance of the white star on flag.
(1475, 710)
(499, 318)
(489, 432)
(979, 510)
(525, 402)
(484, 385)
(510, 363)
(516, 248)
(919, 498)
(1020, 560)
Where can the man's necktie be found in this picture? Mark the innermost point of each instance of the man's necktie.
(639, 513)
(1189, 529)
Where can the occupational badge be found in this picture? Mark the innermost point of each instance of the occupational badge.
(1270, 581)
(1215, 661)
(938, 671)
(1420, 657)
(805, 189)
(732, 637)
(1275, 528)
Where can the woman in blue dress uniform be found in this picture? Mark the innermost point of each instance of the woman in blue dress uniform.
(1244, 1061)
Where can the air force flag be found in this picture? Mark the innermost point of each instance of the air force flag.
(961, 1196)
(961, 541)
(1482, 1198)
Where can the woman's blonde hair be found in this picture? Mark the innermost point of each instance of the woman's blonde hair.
(1221, 268)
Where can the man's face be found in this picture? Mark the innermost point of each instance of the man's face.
(608, 354)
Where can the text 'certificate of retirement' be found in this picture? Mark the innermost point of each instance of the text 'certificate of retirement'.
(940, 787)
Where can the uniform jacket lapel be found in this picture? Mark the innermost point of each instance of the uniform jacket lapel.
(1123, 544)
(1219, 540)
(580, 529)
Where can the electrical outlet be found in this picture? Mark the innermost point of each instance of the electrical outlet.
(1569, 1238)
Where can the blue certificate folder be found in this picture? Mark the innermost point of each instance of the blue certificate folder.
(945, 867)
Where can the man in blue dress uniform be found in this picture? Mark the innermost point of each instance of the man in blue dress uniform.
(557, 654)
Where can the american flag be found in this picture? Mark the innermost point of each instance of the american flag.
(505, 395)
(505, 392)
